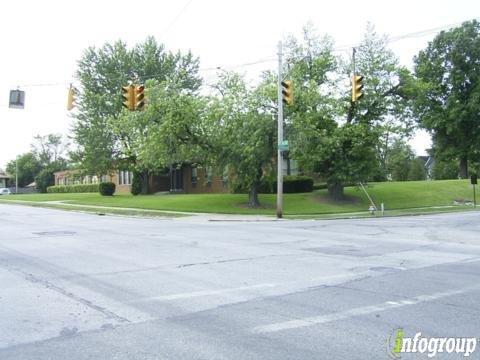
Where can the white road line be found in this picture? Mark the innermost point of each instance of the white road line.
(318, 281)
(204, 293)
(317, 320)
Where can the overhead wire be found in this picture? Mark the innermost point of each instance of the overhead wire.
(392, 39)
(169, 26)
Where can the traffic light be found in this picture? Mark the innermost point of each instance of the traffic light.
(71, 99)
(357, 87)
(128, 94)
(139, 97)
(287, 91)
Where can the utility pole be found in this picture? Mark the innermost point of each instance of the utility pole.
(280, 137)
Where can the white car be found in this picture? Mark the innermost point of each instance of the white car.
(5, 191)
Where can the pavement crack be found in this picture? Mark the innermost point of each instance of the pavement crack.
(232, 260)
(51, 286)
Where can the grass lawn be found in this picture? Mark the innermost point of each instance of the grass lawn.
(395, 195)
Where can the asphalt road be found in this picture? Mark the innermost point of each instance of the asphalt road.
(80, 286)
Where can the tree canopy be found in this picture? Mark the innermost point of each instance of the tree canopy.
(448, 101)
(102, 73)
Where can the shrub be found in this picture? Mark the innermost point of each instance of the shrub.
(106, 188)
(320, 186)
(268, 185)
(136, 184)
(44, 179)
(297, 184)
(291, 184)
(80, 188)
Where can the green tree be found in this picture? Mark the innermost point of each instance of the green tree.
(339, 139)
(45, 178)
(417, 170)
(50, 150)
(444, 169)
(168, 133)
(102, 73)
(28, 167)
(242, 131)
(448, 103)
(399, 160)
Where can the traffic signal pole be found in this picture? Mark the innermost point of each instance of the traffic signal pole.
(280, 137)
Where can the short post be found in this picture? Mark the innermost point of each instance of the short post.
(474, 198)
(16, 175)
(473, 181)
(383, 208)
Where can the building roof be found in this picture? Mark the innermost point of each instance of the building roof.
(4, 175)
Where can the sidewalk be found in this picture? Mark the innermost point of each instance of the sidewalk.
(175, 215)
(207, 217)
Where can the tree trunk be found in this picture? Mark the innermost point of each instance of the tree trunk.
(463, 167)
(335, 191)
(288, 166)
(253, 201)
(144, 177)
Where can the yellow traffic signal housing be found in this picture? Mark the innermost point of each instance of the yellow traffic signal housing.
(287, 92)
(128, 95)
(71, 99)
(357, 87)
(139, 97)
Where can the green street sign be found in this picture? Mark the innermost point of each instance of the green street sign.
(283, 146)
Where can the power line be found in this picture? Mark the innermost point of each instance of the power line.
(165, 31)
(415, 34)
(392, 39)
(42, 84)
(425, 32)
(260, 61)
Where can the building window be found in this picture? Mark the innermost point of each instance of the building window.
(209, 173)
(225, 177)
(125, 177)
(194, 176)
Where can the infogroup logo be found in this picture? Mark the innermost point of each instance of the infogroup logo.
(399, 344)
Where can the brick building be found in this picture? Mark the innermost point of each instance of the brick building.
(187, 179)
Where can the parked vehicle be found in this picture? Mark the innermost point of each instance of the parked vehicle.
(5, 191)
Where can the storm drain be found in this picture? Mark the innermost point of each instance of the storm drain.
(54, 233)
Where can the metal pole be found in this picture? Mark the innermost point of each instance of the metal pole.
(368, 196)
(474, 198)
(280, 137)
(16, 175)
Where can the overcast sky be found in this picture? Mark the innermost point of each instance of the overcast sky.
(41, 42)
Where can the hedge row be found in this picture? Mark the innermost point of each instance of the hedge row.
(79, 188)
(291, 184)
